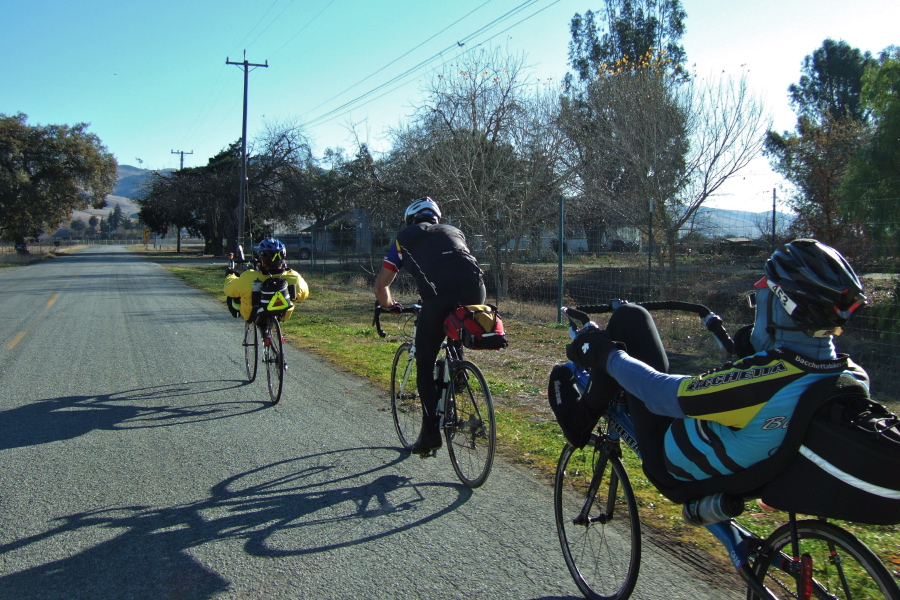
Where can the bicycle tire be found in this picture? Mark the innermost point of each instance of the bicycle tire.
(469, 425)
(603, 553)
(406, 407)
(843, 566)
(273, 356)
(251, 350)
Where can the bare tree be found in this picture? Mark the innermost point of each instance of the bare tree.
(642, 139)
(482, 144)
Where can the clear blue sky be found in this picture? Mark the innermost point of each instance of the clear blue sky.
(151, 78)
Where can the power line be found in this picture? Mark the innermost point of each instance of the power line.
(268, 10)
(407, 53)
(302, 29)
(338, 111)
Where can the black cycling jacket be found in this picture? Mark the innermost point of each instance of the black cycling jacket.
(436, 256)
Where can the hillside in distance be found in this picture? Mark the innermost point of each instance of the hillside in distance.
(129, 182)
(727, 223)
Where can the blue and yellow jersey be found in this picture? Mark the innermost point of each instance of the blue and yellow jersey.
(738, 415)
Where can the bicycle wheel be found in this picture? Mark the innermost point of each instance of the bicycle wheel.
(405, 404)
(842, 566)
(251, 349)
(597, 522)
(273, 356)
(469, 424)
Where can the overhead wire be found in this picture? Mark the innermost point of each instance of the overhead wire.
(287, 6)
(302, 29)
(337, 112)
(321, 120)
(391, 84)
(404, 55)
(268, 10)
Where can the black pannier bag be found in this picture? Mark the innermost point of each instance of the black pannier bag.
(848, 466)
(575, 403)
(274, 297)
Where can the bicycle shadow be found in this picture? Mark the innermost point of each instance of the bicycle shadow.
(68, 417)
(274, 510)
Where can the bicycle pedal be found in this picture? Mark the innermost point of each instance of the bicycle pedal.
(431, 454)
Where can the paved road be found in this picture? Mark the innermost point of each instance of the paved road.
(135, 462)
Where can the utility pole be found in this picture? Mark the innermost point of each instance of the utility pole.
(182, 153)
(240, 232)
(178, 228)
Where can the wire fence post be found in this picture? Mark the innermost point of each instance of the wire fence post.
(650, 253)
(559, 264)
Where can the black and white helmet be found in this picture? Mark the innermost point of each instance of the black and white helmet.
(422, 209)
(815, 284)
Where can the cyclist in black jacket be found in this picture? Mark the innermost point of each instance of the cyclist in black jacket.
(447, 276)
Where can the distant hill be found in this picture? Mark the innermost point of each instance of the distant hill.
(130, 181)
(722, 222)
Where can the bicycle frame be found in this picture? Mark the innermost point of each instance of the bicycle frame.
(464, 409)
(452, 354)
(738, 542)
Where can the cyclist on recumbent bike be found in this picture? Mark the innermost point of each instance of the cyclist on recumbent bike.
(447, 276)
(691, 428)
(271, 254)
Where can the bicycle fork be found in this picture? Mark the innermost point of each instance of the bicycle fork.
(584, 518)
(266, 333)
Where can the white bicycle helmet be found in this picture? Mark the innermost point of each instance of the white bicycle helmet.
(422, 209)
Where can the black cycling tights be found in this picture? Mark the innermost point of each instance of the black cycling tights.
(633, 325)
(430, 334)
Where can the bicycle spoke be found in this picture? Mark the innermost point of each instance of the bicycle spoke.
(597, 523)
(842, 567)
(251, 350)
(406, 408)
(469, 425)
(273, 356)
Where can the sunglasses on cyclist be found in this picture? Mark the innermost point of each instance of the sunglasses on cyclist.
(269, 255)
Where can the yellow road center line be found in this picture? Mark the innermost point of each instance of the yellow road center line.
(15, 340)
(52, 300)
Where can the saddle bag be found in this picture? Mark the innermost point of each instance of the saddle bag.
(273, 297)
(477, 326)
(848, 466)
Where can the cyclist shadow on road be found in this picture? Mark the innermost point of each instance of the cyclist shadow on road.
(68, 417)
(292, 509)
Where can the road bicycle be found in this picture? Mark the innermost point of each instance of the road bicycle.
(263, 330)
(465, 408)
(599, 527)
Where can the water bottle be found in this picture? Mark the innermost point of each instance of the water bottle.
(582, 377)
(712, 509)
(439, 374)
